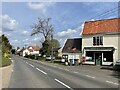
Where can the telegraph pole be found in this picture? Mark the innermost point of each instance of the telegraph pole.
(52, 45)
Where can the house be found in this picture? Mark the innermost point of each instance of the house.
(33, 50)
(72, 51)
(57, 51)
(100, 41)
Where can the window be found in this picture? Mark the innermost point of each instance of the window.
(98, 40)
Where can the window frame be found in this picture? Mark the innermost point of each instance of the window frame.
(97, 40)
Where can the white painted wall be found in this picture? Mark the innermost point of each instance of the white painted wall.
(108, 41)
(26, 51)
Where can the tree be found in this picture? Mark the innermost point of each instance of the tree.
(43, 27)
(5, 45)
(47, 46)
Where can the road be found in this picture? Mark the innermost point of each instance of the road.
(32, 74)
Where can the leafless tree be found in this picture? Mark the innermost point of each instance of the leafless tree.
(43, 27)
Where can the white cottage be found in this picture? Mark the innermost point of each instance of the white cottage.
(33, 50)
(72, 51)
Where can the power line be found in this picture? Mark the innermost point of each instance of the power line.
(106, 13)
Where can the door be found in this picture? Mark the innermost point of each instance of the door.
(98, 58)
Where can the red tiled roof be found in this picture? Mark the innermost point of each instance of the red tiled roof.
(102, 26)
(36, 48)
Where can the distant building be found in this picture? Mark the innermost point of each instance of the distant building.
(33, 50)
(100, 41)
(56, 51)
(72, 51)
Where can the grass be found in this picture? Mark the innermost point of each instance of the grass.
(4, 61)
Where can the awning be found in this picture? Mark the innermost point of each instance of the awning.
(99, 48)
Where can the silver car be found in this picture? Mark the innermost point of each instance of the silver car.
(49, 58)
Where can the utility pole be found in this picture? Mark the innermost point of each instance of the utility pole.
(52, 45)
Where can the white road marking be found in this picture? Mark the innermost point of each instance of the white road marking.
(63, 83)
(31, 65)
(75, 72)
(66, 69)
(41, 71)
(112, 82)
(90, 76)
(12, 61)
(54, 66)
(27, 62)
(12, 70)
(60, 68)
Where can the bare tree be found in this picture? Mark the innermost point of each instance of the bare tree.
(43, 27)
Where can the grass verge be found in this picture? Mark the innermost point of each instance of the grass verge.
(4, 61)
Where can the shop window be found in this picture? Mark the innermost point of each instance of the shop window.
(89, 56)
(98, 40)
(108, 56)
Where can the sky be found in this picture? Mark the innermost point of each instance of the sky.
(67, 19)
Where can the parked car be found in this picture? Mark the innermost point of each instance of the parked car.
(117, 65)
(49, 58)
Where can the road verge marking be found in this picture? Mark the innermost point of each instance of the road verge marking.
(63, 83)
(89, 76)
(112, 82)
(41, 71)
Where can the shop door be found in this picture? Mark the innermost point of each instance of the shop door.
(98, 58)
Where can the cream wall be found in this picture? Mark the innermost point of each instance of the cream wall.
(108, 41)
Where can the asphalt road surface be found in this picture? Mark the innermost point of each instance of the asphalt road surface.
(32, 74)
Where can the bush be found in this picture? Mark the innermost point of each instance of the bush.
(58, 57)
(31, 56)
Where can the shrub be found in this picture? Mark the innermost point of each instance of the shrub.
(58, 57)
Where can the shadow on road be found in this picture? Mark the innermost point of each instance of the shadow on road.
(115, 73)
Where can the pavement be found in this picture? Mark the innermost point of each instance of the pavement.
(5, 73)
(37, 74)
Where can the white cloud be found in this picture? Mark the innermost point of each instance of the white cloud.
(69, 32)
(25, 33)
(41, 6)
(0, 32)
(8, 23)
(25, 39)
(14, 41)
(38, 39)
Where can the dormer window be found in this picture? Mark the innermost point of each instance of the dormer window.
(98, 40)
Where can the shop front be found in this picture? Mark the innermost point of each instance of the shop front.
(99, 55)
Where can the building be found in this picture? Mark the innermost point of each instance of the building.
(100, 41)
(72, 51)
(33, 50)
(57, 52)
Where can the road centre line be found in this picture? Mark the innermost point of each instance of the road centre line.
(27, 62)
(12, 61)
(60, 68)
(75, 72)
(66, 69)
(112, 82)
(31, 65)
(63, 83)
(89, 76)
(41, 71)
